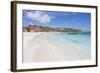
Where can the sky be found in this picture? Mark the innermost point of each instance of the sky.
(57, 19)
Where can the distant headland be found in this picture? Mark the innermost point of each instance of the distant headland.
(35, 28)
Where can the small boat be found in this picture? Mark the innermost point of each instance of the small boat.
(72, 32)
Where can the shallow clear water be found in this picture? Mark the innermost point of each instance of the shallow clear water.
(56, 46)
(79, 42)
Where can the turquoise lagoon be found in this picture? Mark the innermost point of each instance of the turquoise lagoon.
(76, 46)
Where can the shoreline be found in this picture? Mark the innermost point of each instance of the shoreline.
(37, 48)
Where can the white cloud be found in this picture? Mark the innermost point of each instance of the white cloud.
(73, 13)
(39, 16)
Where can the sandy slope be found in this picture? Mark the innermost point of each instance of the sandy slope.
(38, 49)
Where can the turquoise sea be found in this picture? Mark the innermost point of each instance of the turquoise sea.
(78, 44)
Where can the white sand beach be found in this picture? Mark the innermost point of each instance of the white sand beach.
(38, 48)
